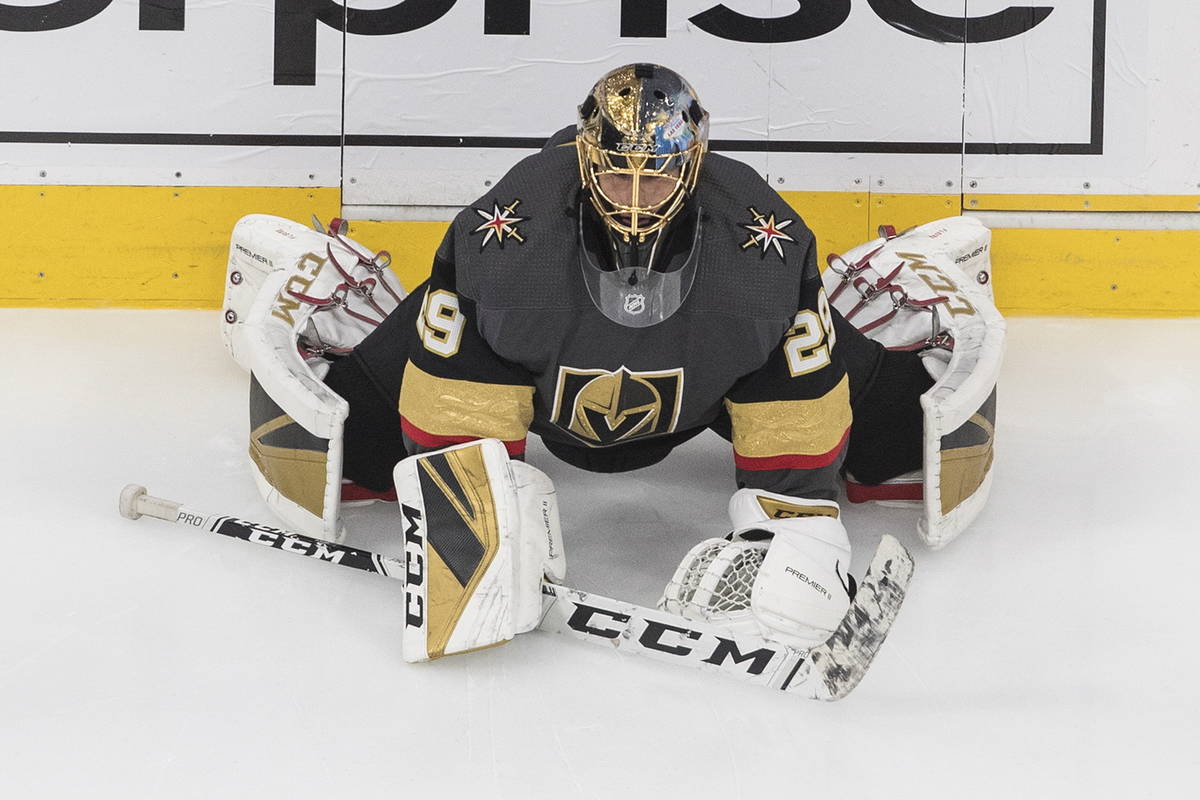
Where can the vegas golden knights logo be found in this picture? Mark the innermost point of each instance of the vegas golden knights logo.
(600, 407)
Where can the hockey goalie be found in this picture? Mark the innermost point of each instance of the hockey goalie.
(616, 294)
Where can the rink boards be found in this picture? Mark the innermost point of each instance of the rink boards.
(1067, 127)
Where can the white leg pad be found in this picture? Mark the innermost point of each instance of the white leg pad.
(293, 293)
(889, 288)
(295, 422)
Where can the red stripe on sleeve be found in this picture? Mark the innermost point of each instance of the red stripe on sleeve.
(426, 439)
(790, 461)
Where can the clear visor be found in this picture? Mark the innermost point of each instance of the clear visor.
(637, 296)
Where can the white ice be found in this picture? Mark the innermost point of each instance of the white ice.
(1050, 652)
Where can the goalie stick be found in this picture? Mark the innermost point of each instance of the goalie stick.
(828, 671)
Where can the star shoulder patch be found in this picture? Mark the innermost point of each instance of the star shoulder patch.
(767, 233)
(499, 224)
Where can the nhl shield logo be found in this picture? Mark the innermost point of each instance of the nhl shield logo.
(601, 407)
(635, 303)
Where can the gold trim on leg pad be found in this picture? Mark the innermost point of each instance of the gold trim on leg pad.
(966, 456)
(463, 536)
(292, 460)
(461, 511)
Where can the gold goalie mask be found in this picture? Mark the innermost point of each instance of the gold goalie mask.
(641, 139)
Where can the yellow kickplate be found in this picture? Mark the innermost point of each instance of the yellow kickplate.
(412, 245)
(133, 246)
(1097, 273)
(165, 247)
(1082, 202)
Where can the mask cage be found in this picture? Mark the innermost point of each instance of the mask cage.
(635, 219)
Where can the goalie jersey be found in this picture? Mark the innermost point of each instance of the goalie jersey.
(504, 338)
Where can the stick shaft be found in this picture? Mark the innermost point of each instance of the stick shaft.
(580, 615)
(827, 672)
(277, 538)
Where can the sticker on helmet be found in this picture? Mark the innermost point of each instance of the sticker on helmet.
(674, 128)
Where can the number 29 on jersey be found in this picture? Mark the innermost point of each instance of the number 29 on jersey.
(808, 343)
(441, 323)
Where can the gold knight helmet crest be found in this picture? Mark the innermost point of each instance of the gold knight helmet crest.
(603, 407)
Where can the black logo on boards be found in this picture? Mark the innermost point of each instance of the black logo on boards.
(296, 21)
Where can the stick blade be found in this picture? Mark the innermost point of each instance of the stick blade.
(841, 662)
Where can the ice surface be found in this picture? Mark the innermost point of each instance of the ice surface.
(1050, 652)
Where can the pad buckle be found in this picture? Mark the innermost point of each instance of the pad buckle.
(851, 271)
(338, 298)
(373, 264)
(366, 287)
(851, 275)
(938, 339)
(868, 291)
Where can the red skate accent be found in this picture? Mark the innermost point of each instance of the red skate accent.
(515, 449)
(862, 493)
(353, 493)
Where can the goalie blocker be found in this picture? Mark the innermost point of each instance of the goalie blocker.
(480, 533)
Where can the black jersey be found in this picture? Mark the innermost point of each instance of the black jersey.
(508, 341)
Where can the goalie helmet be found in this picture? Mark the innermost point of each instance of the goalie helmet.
(642, 135)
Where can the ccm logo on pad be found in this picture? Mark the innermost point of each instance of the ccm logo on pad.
(414, 568)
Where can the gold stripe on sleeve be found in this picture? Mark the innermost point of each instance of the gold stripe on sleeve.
(791, 427)
(451, 407)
